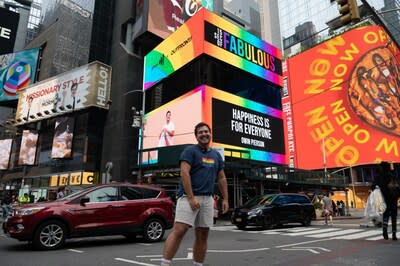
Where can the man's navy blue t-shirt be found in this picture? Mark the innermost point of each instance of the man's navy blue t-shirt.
(205, 166)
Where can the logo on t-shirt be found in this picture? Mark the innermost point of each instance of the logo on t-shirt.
(208, 161)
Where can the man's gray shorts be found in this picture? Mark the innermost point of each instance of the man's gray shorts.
(202, 217)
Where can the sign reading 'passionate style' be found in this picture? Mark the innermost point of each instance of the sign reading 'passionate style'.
(79, 88)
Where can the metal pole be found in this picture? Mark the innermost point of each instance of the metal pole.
(354, 188)
(139, 178)
(141, 139)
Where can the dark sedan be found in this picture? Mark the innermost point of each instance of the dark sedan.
(274, 209)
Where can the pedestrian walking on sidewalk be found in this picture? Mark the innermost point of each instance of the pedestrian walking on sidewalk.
(388, 182)
(328, 209)
(200, 167)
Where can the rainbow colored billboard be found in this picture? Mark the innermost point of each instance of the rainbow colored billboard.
(17, 71)
(238, 124)
(207, 33)
(345, 100)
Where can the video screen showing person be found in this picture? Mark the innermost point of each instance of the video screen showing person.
(63, 136)
(27, 153)
(5, 152)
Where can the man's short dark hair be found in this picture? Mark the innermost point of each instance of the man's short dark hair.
(199, 125)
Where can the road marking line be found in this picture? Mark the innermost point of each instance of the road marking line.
(336, 233)
(359, 235)
(375, 238)
(321, 248)
(149, 256)
(300, 243)
(312, 232)
(188, 257)
(299, 249)
(301, 229)
(75, 250)
(135, 262)
(236, 251)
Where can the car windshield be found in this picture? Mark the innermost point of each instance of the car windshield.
(72, 195)
(260, 200)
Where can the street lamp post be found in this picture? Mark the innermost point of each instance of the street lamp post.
(138, 122)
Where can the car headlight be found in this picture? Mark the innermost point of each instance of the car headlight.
(254, 212)
(28, 211)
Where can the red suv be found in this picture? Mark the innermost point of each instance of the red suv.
(109, 209)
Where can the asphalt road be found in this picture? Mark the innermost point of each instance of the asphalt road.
(345, 243)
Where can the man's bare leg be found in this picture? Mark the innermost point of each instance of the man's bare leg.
(200, 244)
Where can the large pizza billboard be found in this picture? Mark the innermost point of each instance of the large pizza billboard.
(237, 124)
(345, 97)
(207, 33)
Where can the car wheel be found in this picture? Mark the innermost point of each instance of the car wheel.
(268, 221)
(306, 220)
(154, 230)
(49, 235)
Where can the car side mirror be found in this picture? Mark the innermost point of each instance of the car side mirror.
(84, 200)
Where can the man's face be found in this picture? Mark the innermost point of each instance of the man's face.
(203, 135)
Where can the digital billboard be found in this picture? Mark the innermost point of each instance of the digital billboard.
(166, 16)
(236, 123)
(17, 71)
(207, 33)
(63, 137)
(345, 97)
(5, 152)
(8, 30)
(27, 153)
(79, 88)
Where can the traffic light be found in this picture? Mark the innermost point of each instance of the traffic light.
(349, 11)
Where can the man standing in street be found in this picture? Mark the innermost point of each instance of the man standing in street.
(200, 166)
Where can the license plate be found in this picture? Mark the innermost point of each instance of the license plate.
(238, 220)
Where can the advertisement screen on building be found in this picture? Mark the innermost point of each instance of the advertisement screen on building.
(17, 71)
(5, 153)
(77, 89)
(8, 30)
(207, 33)
(345, 97)
(237, 123)
(27, 153)
(63, 137)
(166, 16)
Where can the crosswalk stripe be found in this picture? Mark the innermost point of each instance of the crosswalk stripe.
(375, 238)
(335, 233)
(359, 235)
(312, 232)
(292, 230)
